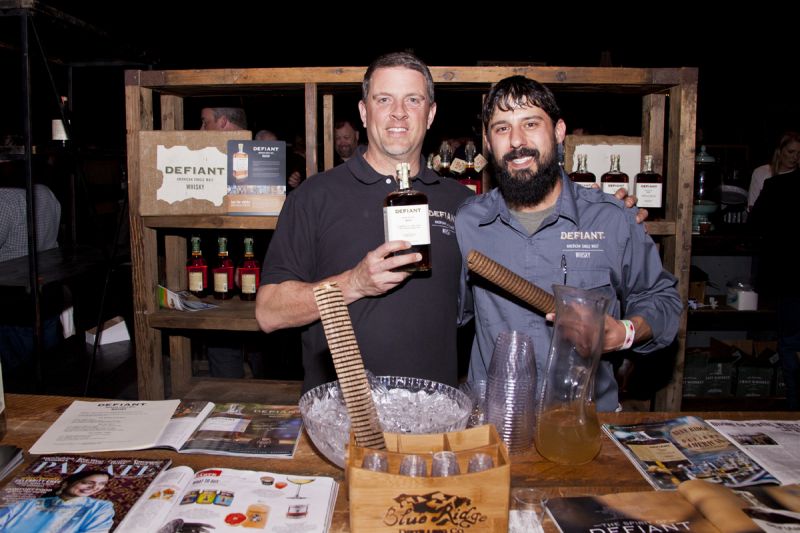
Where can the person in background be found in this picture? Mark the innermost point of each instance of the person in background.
(223, 118)
(68, 509)
(345, 138)
(16, 332)
(776, 272)
(785, 159)
(549, 230)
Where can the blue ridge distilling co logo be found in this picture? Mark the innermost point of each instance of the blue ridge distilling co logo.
(433, 512)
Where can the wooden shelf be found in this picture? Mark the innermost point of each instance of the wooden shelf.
(728, 318)
(211, 222)
(231, 315)
(668, 101)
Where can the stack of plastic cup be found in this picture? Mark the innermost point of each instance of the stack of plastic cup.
(510, 390)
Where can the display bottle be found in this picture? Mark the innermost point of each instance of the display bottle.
(582, 176)
(240, 164)
(223, 271)
(249, 272)
(60, 131)
(197, 270)
(649, 187)
(445, 159)
(405, 217)
(612, 180)
(471, 177)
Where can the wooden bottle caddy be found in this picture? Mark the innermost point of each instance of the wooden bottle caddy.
(469, 502)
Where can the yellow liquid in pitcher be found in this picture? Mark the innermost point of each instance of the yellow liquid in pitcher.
(562, 437)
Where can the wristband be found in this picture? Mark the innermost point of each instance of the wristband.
(630, 333)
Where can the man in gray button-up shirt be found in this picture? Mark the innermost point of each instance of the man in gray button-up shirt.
(545, 228)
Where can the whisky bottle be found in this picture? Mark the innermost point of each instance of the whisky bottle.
(582, 176)
(471, 177)
(649, 187)
(197, 270)
(240, 168)
(445, 159)
(223, 271)
(405, 217)
(612, 180)
(249, 272)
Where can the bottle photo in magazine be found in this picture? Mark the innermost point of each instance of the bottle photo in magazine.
(70, 494)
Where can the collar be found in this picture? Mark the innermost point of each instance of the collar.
(566, 205)
(364, 172)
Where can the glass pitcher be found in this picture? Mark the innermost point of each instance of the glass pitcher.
(567, 430)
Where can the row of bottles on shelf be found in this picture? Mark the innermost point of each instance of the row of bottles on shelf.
(466, 171)
(225, 279)
(647, 186)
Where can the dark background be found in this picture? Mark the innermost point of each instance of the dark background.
(747, 62)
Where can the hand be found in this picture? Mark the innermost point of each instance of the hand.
(294, 179)
(374, 274)
(630, 201)
(614, 336)
(578, 333)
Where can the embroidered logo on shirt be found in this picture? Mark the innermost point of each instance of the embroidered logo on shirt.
(444, 221)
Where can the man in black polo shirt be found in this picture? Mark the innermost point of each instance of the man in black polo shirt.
(331, 228)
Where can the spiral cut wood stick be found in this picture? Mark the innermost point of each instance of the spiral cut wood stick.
(349, 366)
(510, 282)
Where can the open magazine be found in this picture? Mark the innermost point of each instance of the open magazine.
(71, 493)
(223, 499)
(773, 443)
(668, 452)
(240, 429)
(696, 506)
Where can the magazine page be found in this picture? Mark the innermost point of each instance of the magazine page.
(72, 493)
(773, 443)
(671, 451)
(151, 511)
(185, 420)
(223, 499)
(249, 430)
(111, 425)
(624, 512)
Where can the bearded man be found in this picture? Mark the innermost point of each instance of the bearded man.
(551, 231)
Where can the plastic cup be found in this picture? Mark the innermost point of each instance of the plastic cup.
(527, 510)
(480, 462)
(376, 461)
(444, 464)
(414, 466)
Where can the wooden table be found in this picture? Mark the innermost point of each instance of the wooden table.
(29, 416)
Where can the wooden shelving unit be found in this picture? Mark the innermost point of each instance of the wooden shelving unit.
(669, 101)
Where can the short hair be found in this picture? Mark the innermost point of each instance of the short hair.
(519, 91)
(398, 59)
(341, 123)
(236, 115)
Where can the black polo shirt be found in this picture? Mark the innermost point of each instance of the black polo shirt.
(327, 225)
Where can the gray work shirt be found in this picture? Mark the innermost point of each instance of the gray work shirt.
(602, 246)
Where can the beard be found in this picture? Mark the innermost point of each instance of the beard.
(527, 188)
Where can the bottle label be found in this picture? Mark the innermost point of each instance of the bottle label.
(249, 280)
(195, 281)
(480, 162)
(458, 166)
(588, 184)
(220, 281)
(437, 162)
(471, 186)
(407, 223)
(611, 188)
(649, 194)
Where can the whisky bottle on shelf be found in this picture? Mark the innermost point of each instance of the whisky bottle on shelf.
(197, 270)
(405, 217)
(249, 272)
(649, 187)
(612, 180)
(240, 164)
(471, 177)
(445, 159)
(223, 271)
(582, 176)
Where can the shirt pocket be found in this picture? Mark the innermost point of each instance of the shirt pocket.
(594, 279)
